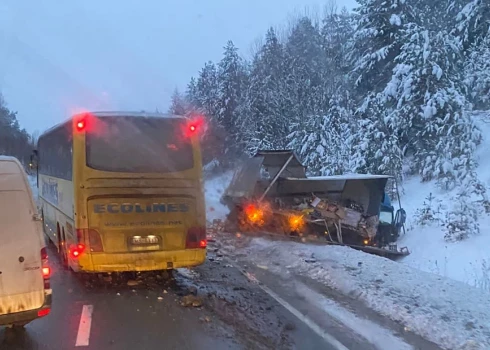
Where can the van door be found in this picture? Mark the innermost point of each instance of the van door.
(21, 280)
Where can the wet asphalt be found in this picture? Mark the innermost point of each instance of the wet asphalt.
(145, 312)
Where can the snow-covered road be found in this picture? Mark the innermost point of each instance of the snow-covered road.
(390, 303)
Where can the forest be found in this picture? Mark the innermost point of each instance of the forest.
(14, 140)
(388, 88)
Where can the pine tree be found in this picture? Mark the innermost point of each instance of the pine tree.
(477, 74)
(178, 105)
(191, 96)
(304, 65)
(376, 146)
(323, 142)
(474, 22)
(14, 141)
(377, 41)
(337, 32)
(426, 90)
(231, 75)
(462, 221)
(266, 122)
(206, 94)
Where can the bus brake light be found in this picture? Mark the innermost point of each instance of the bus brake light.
(76, 251)
(196, 238)
(80, 125)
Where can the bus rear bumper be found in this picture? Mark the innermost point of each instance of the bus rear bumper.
(148, 261)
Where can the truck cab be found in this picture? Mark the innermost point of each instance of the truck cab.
(390, 223)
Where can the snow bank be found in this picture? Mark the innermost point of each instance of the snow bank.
(33, 183)
(467, 261)
(444, 311)
(213, 190)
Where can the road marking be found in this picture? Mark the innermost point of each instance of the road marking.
(83, 335)
(307, 321)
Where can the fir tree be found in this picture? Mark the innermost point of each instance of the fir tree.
(304, 65)
(377, 41)
(231, 75)
(178, 105)
(477, 74)
(267, 124)
(206, 94)
(474, 22)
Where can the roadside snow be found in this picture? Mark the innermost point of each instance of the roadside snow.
(213, 190)
(372, 332)
(33, 183)
(467, 261)
(446, 312)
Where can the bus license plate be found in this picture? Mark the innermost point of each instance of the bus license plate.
(142, 240)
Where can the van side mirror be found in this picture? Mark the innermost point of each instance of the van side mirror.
(33, 163)
(400, 218)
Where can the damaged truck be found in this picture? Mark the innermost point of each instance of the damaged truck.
(271, 193)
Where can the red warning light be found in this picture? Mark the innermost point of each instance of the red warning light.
(80, 125)
(194, 126)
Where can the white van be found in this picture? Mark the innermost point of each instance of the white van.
(25, 292)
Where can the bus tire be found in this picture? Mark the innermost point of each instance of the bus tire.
(62, 251)
(166, 275)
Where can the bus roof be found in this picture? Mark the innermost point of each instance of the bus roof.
(102, 114)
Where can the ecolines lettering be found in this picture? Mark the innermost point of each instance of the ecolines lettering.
(127, 208)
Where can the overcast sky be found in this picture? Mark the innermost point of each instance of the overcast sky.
(58, 57)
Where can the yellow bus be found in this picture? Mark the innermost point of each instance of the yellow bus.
(123, 192)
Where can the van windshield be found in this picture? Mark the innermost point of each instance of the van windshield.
(138, 145)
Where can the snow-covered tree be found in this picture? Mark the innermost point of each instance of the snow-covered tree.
(178, 103)
(462, 221)
(191, 95)
(474, 22)
(323, 141)
(376, 145)
(230, 93)
(430, 111)
(337, 31)
(377, 41)
(205, 91)
(304, 65)
(477, 74)
(430, 212)
(266, 121)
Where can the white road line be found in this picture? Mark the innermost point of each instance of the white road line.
(307, 321)
(83, 335)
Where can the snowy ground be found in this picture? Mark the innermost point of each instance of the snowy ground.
(467, 261)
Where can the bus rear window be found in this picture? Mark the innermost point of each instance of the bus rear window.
(138, 145)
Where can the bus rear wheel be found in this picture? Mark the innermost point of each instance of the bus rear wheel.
(63, 253)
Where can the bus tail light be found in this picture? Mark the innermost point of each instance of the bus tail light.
(95, 241)
(77, 249)
(196, 238)
(46, 271)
